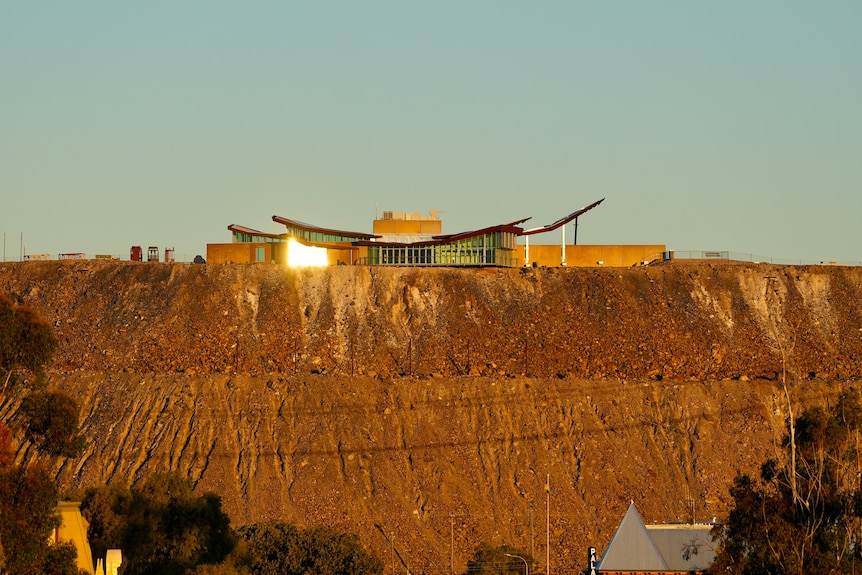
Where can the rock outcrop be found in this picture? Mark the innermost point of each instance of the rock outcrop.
(431, 405)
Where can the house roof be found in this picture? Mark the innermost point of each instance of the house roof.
(631, 548)
(638, 548)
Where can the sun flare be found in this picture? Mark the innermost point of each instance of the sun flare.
(301, 255)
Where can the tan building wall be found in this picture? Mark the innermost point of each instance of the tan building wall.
(355, 255)
(73, 529)
(246, 253)
(408, 227)
(590, 256)
(545, 255)
(242, 253)
(410, 224)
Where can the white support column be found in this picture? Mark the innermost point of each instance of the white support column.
(563, 246)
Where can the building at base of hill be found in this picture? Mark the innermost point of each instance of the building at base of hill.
(73, 529)
(412, 239)
(669, 549)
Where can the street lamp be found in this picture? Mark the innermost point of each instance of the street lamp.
(526, 566)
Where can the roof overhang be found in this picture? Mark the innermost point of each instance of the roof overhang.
(252, 232)
(311, 228)
(562, 221)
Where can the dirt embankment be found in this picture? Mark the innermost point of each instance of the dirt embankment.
(433, 404)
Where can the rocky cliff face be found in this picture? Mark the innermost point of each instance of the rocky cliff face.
(425, 409)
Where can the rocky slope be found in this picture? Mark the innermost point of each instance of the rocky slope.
(425, 408)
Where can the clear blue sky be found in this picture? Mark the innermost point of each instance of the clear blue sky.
(731, 125)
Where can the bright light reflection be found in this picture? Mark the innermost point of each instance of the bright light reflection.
(300, 255)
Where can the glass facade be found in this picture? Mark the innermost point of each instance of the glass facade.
(319, 236)
(493, 249)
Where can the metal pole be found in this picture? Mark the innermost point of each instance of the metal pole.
(532, 535)
(526, 566)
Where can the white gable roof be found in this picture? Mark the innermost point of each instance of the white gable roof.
(631, 548)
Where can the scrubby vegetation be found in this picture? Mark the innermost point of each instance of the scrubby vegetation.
(49, 420)
(807, 518)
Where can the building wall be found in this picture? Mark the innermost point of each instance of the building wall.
(545, 255)
(241, 253)
(352, 256)
(245, 253)
(73, 528)
(590, 256)
(408, 227)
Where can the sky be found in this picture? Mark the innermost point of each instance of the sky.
(708, 126)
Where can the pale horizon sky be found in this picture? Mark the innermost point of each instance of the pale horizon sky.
(720, 126)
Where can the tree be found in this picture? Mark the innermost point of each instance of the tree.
(50, 421)
(805, 518)
(162, 526)
(27, 502)
(278, 548)
(499, 560)
(27, 343)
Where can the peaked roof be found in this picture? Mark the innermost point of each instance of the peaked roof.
(631, 548)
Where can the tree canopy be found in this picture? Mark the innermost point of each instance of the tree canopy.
(277, 548)
(501, 560)
(807, 518)
(49, 420)
(26, 343)
(162, 525)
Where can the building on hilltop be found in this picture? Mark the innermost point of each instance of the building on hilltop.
(408, 227)
(412, 239)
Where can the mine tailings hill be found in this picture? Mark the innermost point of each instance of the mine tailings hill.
(425, 409)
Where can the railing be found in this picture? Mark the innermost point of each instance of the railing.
(754, 258)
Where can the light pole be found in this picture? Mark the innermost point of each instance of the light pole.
(526, 566)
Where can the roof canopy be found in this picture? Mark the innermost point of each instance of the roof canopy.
(561, 221)
(308, 231)
(302, 226)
